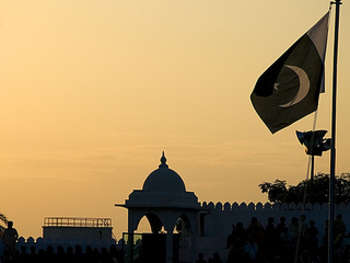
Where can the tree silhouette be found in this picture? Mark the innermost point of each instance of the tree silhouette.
(3, 222)
(316, 190)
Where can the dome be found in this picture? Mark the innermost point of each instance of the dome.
(164, 180)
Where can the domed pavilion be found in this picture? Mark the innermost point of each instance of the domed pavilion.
(164, 201)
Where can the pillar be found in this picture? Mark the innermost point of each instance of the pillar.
(131, 228)
(169, 247)
(195, 235)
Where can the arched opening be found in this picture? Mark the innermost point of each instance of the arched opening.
(144, 226)
(150, 223)
(183, 226)
(149, 240)
(182, 239)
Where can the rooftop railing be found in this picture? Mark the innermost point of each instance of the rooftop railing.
(77, 222)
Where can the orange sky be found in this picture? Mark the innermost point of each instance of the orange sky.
(93, 91)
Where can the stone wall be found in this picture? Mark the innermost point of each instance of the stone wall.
(41, 243)
(220, 216)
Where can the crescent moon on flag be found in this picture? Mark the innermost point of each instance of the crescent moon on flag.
(304, 86)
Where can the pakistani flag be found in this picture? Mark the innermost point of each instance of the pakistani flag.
(288, 90)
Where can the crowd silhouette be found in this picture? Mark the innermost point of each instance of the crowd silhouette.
(69, 255)
(11, 253)
(297, 241)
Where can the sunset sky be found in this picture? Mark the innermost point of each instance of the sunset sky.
(93, 91)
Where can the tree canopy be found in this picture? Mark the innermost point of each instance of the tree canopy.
(316, 190)
(3, 222)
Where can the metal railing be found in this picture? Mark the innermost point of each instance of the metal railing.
(77, 222)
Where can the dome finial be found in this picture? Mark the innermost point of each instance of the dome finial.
(163, 161)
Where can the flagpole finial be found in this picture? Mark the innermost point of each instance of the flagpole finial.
(163, 161)
(336, 2)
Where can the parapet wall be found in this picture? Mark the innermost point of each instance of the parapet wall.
(41, 243)
(220, 216)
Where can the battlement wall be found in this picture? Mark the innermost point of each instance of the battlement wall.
(42, 243)
(220, 217)
(227, 207)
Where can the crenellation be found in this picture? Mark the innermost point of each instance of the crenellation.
(267, 206)
(218, 206)
(251, 206)
(324, 206)
(221, 217)
(300, 206)
(235, 205)
(243, 205)
(292, 206)
(276, 206)
(316, 207)
(40, 243)
(271, 208)
(284, 207)
(308, 206)
(341, 206)
(227, 207)
(259, 206)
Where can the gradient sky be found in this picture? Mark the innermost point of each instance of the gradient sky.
(93, 91)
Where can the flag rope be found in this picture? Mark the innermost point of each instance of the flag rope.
(300, 226)
(307, 177)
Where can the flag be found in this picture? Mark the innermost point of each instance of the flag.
(289, 89)
(314, 141)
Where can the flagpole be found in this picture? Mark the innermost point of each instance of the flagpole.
(332, 164)
(312, 168)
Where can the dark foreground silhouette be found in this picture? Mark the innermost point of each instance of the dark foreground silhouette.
(70, 255)
(274, 243)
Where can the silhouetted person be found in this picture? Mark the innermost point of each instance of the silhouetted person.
(22, 257)
(339, 230)
(347, 254)
(200, 258)
(282, 229)
(32, 257)
(311, 239)
(302, 225)
(231, 238)
(2, 246)
(69, 255)
(89, 256)
(41, 257)
(60, 254)
(9, 238)
(216, 258)
(270, 240)
(251, 250)
(255, 234)
(293, 230)
(49, 254)
(325, 233)
(114, 254)
(282, 246)
(105, 256)
(236, 251)
(241, 235)
(78, 255)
